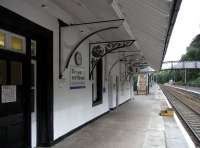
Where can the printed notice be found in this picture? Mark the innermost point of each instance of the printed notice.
(77, 78)
(8, 93)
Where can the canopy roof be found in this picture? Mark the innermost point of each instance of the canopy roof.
(149, 22)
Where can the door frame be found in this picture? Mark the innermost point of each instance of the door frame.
(34, 63)
(12, 22)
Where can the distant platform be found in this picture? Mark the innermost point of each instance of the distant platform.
(188, 88)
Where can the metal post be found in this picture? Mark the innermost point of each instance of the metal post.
(153, 78)
(174, 76)
(185, 76)
(156, 79)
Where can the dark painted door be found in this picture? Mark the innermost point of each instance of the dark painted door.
(12, 98)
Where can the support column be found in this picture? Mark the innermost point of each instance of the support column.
(185, 76)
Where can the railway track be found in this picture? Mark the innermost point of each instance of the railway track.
(187, 106)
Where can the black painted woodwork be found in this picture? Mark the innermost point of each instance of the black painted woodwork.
(99, 83)
(15, 23)
(12, 119)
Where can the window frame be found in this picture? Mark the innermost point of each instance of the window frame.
(8, 42)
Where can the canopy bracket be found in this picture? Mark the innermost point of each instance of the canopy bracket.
(62, 24)
(100, 49)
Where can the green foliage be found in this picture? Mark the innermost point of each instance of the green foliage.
(194, 83)
(193, 54)
(193, 51)
(165, 76)
(179, 83)
(196, 42)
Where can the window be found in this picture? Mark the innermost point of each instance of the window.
(2, 39)
(12, 42)
(3, 72)
(17, 43)
(16, 73)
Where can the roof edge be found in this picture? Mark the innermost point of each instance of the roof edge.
(173, 16)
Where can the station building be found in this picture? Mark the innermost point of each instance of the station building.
(65, 63)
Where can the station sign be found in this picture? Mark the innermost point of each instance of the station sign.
(77, 77)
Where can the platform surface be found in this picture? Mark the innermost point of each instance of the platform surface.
(135, 124)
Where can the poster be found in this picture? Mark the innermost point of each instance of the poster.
(8, 93)
(77, 78)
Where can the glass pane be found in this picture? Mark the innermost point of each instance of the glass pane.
(17, 43)
(3, 72)
(33, 48)
(2, 39)
(16, 73)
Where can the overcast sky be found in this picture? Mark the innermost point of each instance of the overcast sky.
(186, 28)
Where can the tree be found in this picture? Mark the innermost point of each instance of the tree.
(193, 51)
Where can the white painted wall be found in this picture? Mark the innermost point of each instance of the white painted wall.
(72, 108)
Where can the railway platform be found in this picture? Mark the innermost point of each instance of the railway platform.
(135, 124)
(188, 88)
